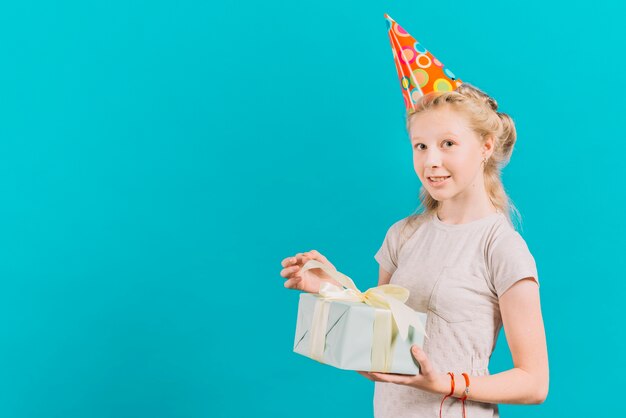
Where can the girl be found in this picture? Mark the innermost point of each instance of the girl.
(464, 264)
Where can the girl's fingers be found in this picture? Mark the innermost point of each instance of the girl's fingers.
(293, 283)
(400, 379)
(293, 264)
(302, 258)
(288, 261)
(316, 255)
(425, 367)
(289, 271)
(366, 375)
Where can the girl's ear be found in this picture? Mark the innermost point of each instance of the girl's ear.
(488, 146)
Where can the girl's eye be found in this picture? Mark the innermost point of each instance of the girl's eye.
(420, 146)
(447, 144)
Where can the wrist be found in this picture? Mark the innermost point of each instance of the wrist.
(331, 281)
(443, 384)
(465, 386)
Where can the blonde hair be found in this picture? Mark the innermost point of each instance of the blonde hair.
(483, 117)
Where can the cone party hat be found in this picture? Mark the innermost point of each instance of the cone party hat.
(419, 71)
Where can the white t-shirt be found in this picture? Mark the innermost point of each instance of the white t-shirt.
(456, 274)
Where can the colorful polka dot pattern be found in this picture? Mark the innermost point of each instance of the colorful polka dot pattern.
(419, 71)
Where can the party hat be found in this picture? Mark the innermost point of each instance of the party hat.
(419, 71)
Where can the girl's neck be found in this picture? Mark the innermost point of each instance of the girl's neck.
(469, 210)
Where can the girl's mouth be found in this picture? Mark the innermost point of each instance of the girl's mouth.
(438, 181)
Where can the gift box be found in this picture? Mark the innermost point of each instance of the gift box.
(354, 330)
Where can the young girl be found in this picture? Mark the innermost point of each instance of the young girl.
(463, 263)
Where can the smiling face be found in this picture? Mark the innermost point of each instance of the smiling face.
(447, 154)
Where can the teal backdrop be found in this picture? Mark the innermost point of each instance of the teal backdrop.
(160, 158)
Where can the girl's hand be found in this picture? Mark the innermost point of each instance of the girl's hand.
(429, 379)
(310, 280)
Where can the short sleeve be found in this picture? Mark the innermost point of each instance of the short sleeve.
(509, 260)
(387, 255)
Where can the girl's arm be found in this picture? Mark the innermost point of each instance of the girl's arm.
(527, 382)
(383, 276)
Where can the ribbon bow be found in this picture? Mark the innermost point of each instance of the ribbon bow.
(387, 296)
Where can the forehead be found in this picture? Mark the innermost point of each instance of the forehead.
(435, 123)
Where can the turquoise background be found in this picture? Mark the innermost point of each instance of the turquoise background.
(159, 159)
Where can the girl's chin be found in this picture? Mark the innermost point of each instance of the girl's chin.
(438, 195)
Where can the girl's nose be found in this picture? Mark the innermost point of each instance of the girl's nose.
(433, 159)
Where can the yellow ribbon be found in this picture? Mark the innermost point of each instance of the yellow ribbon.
(388, 297)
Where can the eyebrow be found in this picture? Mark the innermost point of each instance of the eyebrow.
(443, 134)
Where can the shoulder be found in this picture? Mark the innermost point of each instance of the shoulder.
(404, 228)
(502, 235)
(508, 257)
(396, 226)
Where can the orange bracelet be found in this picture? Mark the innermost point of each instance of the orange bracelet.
(449, 394)
(466, 391)
(467, 385)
